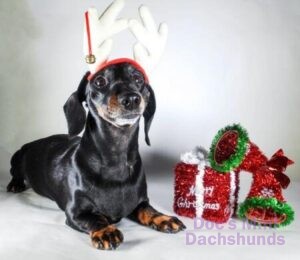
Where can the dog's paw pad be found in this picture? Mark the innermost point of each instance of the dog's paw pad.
(167, 224)
(108, 238)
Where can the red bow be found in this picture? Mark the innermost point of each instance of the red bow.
(277, 164)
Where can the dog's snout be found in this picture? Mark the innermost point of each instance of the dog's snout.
(130, 101)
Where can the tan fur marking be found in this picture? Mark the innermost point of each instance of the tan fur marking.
(175, 226)
(100, 233)
(105, 244)
(160, 219)
(145, 217)
(113, 103)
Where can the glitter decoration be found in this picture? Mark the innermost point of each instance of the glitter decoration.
(267, 193)
(200, 191)
(265, 203)
(185, 200)
(253, 159)
(228, 148)
(207, 186)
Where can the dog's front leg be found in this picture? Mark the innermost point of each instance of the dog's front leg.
(146, 215)
(103, 234)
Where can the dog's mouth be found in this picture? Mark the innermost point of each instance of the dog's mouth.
(130, 116)
(124, 122)
(120, 119)
(126, 119)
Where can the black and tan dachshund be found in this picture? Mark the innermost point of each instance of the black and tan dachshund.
(97, 179)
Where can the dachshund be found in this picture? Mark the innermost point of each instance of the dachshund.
(97, 179)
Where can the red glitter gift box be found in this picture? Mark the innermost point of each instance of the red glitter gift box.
(203, 192)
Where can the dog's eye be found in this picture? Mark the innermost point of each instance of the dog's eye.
(138, 79)
(100, 82)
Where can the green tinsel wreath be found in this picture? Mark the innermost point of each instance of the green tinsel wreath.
(277, 206)
(235, 159)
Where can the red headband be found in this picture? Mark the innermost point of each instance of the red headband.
(118, 61)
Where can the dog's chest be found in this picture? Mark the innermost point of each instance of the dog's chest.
(116, 202)
(114, 198)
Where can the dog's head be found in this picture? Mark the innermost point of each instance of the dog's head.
(118, 93)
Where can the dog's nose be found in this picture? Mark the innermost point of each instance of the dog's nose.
(130, 101)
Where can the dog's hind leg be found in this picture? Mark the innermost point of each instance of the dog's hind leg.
(17, 183)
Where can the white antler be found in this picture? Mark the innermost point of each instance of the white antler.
(151, 42)
(98, 31)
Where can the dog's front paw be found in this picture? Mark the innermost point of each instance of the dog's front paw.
(108, 238)
(167, 224)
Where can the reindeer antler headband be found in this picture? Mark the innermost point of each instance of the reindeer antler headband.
(98, 30)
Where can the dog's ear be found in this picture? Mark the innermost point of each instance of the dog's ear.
(73, 108)
(149, 113)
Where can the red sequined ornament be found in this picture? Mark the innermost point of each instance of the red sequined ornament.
(254, 158)
(265, 203)
(226, 146)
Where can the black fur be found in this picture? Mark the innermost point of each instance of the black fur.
(97, 179)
